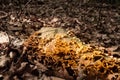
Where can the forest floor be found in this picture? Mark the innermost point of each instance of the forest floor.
(97, 24)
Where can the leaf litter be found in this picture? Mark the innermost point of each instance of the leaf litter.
(54, 54)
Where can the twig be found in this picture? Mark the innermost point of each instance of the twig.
(22, 55)
(3, 16)
(24, 8)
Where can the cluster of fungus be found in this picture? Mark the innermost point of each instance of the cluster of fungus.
(55, 47)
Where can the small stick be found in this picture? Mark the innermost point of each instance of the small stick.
(3, 16)
(22, 55)
(24, 7)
